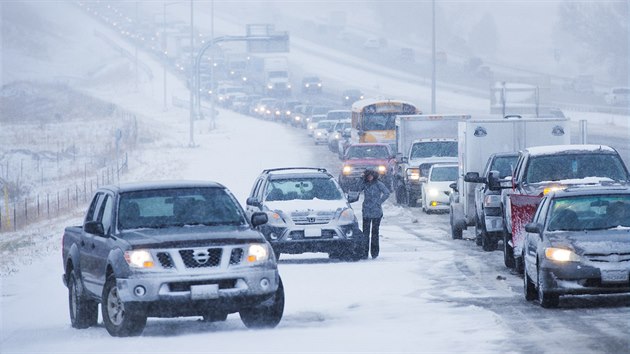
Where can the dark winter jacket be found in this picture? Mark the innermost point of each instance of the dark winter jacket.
(375, 193)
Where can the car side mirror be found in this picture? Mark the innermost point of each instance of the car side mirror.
(453, 186)
(253, 201)
(473, 177)
(259, 218)
(533, 227)
(353, 197)
(346, 134)
(94, 227)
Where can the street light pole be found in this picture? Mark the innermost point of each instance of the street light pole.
(164, 58)
(191, 142)
(433, 60)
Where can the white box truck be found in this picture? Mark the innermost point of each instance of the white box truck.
(479, 138)
(421, 141)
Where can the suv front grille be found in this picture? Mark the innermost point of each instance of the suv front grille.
(210, 258)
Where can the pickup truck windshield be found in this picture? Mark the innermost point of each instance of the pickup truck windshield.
(159, 208)
(367, 152)
(575, 166)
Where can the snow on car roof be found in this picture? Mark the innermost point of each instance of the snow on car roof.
(137, 186)
(553, 149)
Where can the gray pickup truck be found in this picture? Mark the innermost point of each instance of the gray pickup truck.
(169, 249)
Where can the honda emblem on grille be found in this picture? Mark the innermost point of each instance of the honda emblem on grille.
(201, 256)
(311, 219)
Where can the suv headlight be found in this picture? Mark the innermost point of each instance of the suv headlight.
(382, 169)
(139, 259)
(346, 170)
(257, 253)
(347, 216)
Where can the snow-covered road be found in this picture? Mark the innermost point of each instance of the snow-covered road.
(425, 292)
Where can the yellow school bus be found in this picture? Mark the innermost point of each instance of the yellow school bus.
(374, 120)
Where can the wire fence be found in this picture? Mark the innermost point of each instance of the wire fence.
(17, 214)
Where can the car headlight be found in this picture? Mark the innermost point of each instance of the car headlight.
(413, 174)
(319, 133)
(336, 136)
(346, 170)
(347, 97)
(319, 85)
(382, 169)
(306, 85)
(257, 253)
(298, 118)
(139, 259)
(288, 85)
(561, 255)
(433, 192)
(347, 216)
(270, 86)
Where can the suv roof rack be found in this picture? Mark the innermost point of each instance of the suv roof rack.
(318, 169)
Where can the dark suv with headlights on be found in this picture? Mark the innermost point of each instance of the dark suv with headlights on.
(578, 243)
(307, 212)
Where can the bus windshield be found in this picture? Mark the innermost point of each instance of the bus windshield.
(379, 121)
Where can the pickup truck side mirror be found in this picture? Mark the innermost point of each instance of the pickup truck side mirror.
(94, 227)
(533, 227)
(346, 134)
(423, 179)
(473, 177)
(353, 197)
(253, 201)
(493, 181)
(259, 218)
(453, 186)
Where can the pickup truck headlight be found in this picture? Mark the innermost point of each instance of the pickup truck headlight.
(347, 216)
(257, 253)
(492, 201)
(139, 259)
(346, 170)
(413, 174)
(382, 169)
(561, 255)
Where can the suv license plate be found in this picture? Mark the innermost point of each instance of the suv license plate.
(312, 232)
(614, 276)
(204, 292)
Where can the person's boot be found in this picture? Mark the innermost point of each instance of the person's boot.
(374, 249)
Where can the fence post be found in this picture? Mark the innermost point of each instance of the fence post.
(0, 219)
(58, 203)
(68, 193)
(25, 211)
(38, 205)
(48, 205)
(14, 218)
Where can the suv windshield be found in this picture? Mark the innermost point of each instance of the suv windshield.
(575, 166)
(367, 152)
(159, 208)
(434, 149)
(303, 188)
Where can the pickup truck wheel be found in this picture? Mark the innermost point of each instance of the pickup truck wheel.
(266, 314)
(508, 251)
(120, 320)
(83, 311)
(456, 232)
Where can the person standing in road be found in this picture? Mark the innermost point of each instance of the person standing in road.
(375, 193)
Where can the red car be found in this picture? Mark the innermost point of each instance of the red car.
(361, 157)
